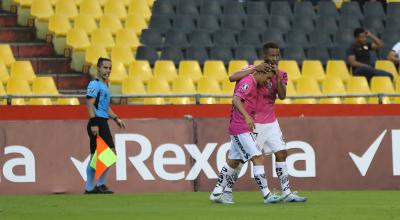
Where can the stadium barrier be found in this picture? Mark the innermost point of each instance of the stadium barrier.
(44, 149)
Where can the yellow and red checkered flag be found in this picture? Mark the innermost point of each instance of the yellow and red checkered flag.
(102, 158)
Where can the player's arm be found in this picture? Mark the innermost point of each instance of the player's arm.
(92, 116)
(376, 42)
(354, 63)
(115, 117)
(281, 87)
(262, 67)
(237, 102)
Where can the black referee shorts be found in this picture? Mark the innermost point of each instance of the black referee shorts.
(104, 132)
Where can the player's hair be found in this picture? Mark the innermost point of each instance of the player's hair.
(270, 45)
(101, 60)
(358, 31)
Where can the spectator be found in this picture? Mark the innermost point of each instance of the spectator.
(358, 55)
(394, 54)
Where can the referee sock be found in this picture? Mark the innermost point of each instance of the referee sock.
(224, 176)
(102, 178)
(90, 172)
(261, 180)
(283, 175)
(235, 176)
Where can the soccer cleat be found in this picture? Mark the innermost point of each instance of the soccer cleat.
(293, 197)
(94, 191)
(216, 197)
(103, 189)
(271, 198)
(227, 198)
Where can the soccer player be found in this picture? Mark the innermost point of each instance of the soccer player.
(243, 142)
(98, 101)
(270, 136)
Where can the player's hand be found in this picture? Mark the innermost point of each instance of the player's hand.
(250, 122)
(120, 123)
(94, 130)
(263, 67)
(368, 33)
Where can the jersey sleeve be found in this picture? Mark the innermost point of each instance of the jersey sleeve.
(92, 90)
(244, 88)
(396, 48)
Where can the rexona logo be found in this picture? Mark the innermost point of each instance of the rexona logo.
(201, 158)
(363, 162)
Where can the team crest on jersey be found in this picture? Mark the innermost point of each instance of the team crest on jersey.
(245, 86)
(269, 85)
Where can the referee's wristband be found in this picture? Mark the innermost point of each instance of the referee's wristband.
(93, 121)
(115, 118)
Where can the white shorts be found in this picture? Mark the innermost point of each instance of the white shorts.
(243, 147)
(270, 138)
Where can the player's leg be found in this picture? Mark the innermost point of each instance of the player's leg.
(261, 180)
(225, 178)
(227, 194)
(90, 172)
(105, 133)
(276, 143)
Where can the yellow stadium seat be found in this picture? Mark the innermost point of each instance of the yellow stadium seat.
(140, 69)
(165, 69)
(157, 86)
(6, 55)
(135, 22)
(236, 65)
(183, 86)
(111, 22)
(23, 70)
(215, 69)
(227, 89)
(67, 101)
(2, 93)
(381, 84)
(150, 3)
(66, 8)
(128, 38)
(140, 7)
(43, 86)
(307, 86)
(132, 86)
(91, 7)
(256, 62)
(77, 39)
(116, 8)
(122, 54)
(332, 86)
(85, 22)
(41, 9)
(102, 37)
(118, 72)
(337, 68)
(18, 87)
(290, 91)
(59, 25)
(190, 69)
(4, 76)
(94, 52)
(208, 85)
(387, 66)
(291, 68)
(24, 3)
(357, 85)
(313, 69)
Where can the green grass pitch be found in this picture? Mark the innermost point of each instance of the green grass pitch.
(321, 205)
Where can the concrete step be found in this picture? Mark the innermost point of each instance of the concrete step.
(49, 65)
(72, 82)
(32, 49)
(8, 19)
(17, 34)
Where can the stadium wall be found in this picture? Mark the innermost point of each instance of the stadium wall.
(45, 149)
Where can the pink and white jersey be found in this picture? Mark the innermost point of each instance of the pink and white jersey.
(246, 89)
(265, 112)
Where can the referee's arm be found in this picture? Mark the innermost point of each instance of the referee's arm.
(115, 117)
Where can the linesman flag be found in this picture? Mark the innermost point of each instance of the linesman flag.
(102, 158)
